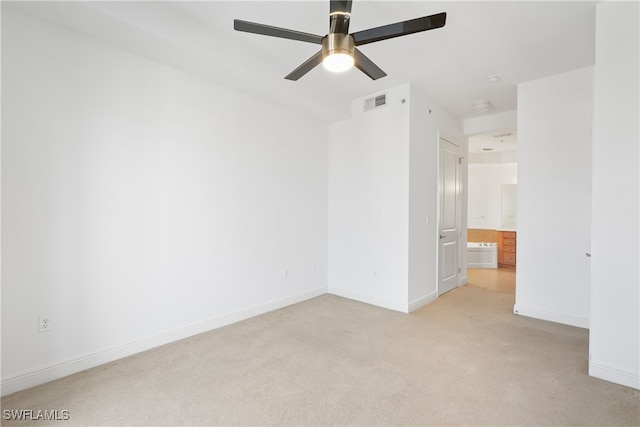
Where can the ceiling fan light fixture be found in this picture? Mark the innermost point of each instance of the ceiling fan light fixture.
(337, 62)
(337, 52)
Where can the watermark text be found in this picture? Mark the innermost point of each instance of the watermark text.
(36, 415)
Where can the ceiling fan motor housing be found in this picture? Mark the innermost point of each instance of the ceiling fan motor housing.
(335, 43)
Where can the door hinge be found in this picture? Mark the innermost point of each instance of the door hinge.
(459, 270)
(460, 160)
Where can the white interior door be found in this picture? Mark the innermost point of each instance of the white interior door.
(449, 217)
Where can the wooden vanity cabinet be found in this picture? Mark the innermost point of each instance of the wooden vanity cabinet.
(507, 247)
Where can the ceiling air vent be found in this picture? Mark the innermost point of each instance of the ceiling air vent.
(375, 102)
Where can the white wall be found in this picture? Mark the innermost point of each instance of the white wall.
(485, 193)
(369, 203)
(614, 339)
(428, 121)
(554, 197)
(382, 190)
(141, 204)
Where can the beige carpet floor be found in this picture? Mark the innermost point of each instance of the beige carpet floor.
(465, 359)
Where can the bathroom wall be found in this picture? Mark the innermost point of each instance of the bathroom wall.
(485, 193)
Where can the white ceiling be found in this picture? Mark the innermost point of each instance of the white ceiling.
(517, 40)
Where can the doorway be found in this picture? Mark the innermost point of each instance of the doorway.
(449, 199)
(491, 206)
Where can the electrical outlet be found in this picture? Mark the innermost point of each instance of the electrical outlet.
(44, 324)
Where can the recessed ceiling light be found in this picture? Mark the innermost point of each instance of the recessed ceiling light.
(481, 106)
(493, 79)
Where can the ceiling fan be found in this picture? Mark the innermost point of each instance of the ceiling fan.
(339, 51)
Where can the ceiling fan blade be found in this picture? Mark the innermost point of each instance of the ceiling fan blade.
(400, 29)
(268, 30)
(339, 16)
(307, 66)
(367, 66)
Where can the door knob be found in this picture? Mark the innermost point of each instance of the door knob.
(442, 237)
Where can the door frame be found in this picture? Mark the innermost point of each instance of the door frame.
(460, 206)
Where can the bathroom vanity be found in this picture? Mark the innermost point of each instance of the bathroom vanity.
(507, 242)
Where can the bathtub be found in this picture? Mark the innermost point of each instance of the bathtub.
(482, 255)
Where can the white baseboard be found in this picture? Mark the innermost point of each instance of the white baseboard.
(565, 319)
(422, 301)
(619, 376)
(368, 299)
(41, 375)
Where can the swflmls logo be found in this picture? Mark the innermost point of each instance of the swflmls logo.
(35, 415)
